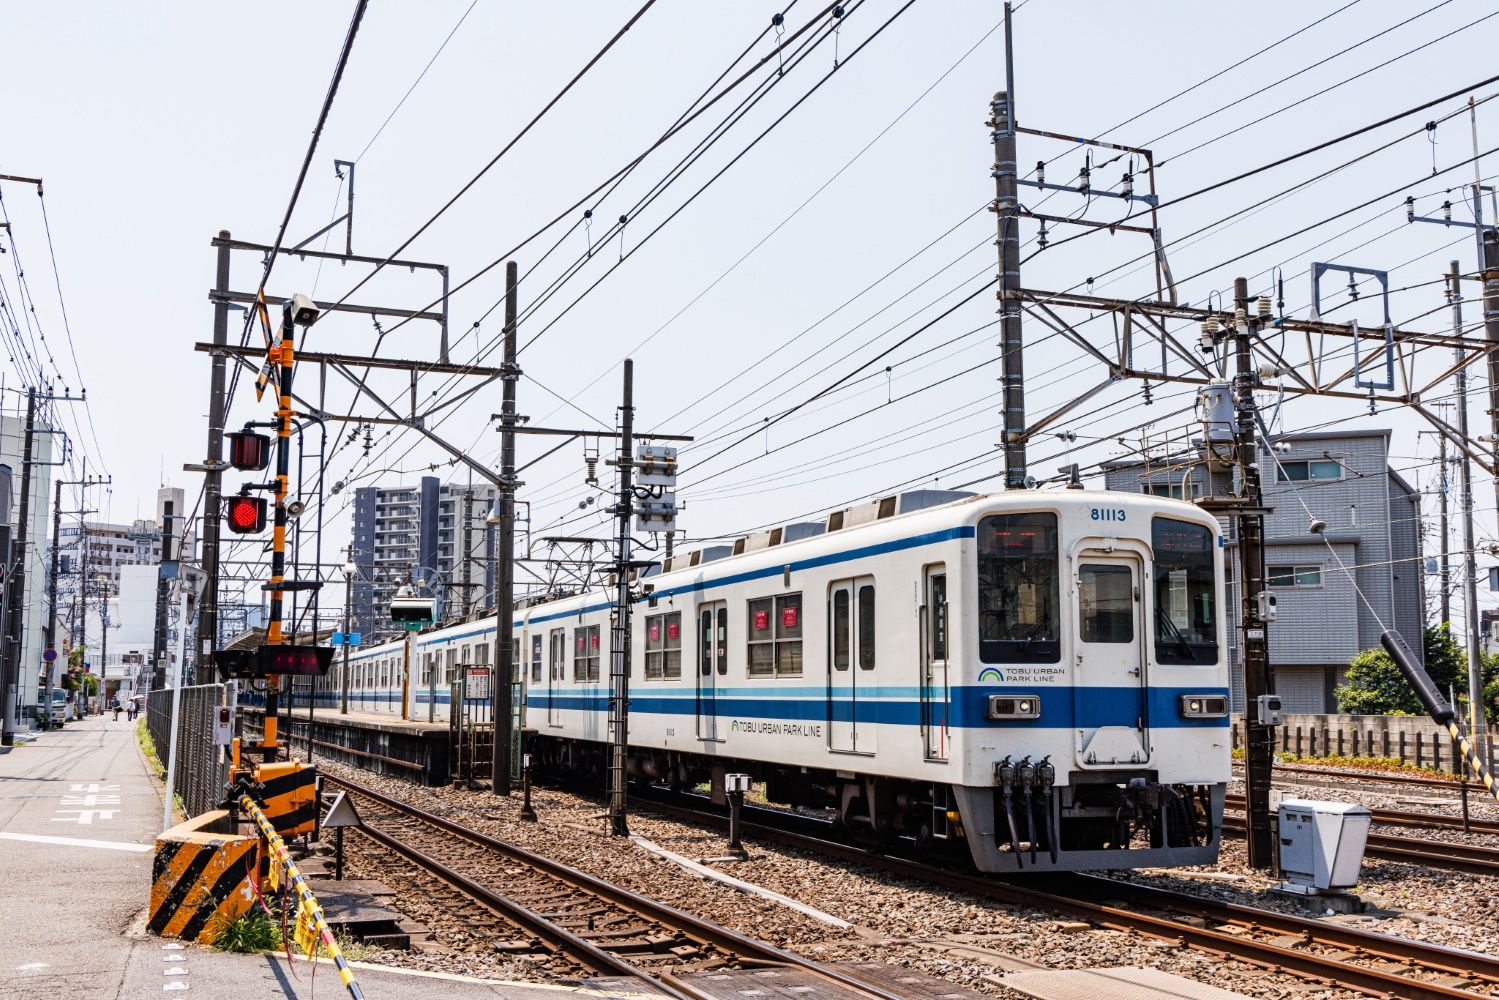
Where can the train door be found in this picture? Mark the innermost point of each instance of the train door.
(1111, 722)
(712, 665)
(851, 641)
(556, 670)
(935, 691)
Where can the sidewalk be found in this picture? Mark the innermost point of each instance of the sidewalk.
(78, 816)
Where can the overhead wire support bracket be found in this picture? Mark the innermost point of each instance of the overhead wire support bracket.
(1320, 268)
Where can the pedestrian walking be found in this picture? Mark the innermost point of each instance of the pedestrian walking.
(116, 706)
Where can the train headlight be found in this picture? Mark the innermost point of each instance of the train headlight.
(1204, 706)
(1013, 707)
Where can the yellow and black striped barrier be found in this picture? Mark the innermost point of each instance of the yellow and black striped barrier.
(288, 793)
(199, 880)
(1436, 706)
(309, 913)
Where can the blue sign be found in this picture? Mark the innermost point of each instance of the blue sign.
(345, 639)
(49, 655)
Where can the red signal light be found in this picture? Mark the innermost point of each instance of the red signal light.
(246, 514)
(248, 451)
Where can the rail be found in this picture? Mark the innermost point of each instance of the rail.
(304, 894)
(1079, 900)
(729, 941)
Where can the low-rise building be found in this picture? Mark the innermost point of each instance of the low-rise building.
(1336, 587)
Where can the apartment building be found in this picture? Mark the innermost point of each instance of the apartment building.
(1372, 529)
(417, 534)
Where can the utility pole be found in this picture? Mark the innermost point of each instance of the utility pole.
(343, 682)
(504, 602)
(619, 647)
(1446, 563)
(1259, 680)
(15, 587)
(1476, 722)
(52, 579)
(468, 555)
(213, 461)
(1007, 215)
(164, 574)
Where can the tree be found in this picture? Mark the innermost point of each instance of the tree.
(1375, 685)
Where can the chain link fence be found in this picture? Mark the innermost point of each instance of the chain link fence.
(202, 770)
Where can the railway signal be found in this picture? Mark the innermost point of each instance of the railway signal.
(246, 514)
(249, 451)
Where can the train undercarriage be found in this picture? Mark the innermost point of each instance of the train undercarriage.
(1117, 820)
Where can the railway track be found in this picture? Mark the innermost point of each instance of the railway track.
(1337, 955)
(600, 927)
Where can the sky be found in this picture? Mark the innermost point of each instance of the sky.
(858, 220)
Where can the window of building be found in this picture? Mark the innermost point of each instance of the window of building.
(1294, 576)
(1186, 623)
(663, 646)
(586, 653)
(1018, 589)
(775, 636)
(1188, 491)
(1309, 470)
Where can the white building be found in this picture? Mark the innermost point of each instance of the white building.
(38, 531)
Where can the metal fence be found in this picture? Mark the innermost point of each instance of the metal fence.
(202, 768)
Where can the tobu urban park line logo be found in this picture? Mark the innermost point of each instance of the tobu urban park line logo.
(766, 727)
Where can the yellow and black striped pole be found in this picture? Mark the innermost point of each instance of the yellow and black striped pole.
(284, 356)
(299, 885)
(1436, 706)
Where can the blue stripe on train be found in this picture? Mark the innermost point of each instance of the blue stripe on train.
(1061, 708)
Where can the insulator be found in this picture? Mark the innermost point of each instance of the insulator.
(1264, 306)
(1040, 171)
(1447, 210)
(1352, 290)
(1241, 318)
(1041, 236)
(1082, 176)
(592, 476)
(1128, 184)
(1410, 209)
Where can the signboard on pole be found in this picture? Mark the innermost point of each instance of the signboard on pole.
(476, 684)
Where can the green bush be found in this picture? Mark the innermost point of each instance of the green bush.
(1375, 685)
(252, 931)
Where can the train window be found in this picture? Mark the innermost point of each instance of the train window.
(663, 646)
(1106, 602)
(723, 641)
(536, 658)
(558, 659)
(452, 671)
(840, 629)
(1186, 622)
(938, 598)
(586, 653)
(866, 627)
(775, 636)
(1018, 592)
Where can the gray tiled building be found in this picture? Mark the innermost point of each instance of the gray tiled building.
(1373, 529)
(417, 533)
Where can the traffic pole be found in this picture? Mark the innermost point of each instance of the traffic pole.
(285, 357)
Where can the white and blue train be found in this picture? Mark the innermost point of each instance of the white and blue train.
(1034, 679)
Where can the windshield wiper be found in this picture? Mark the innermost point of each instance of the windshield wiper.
(1176, 633)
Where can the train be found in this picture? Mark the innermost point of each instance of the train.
(1033, 680)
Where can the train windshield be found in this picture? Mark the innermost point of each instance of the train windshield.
(1186, 621)
(1018, 589)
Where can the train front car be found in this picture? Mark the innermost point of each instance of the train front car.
(1092, 717)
